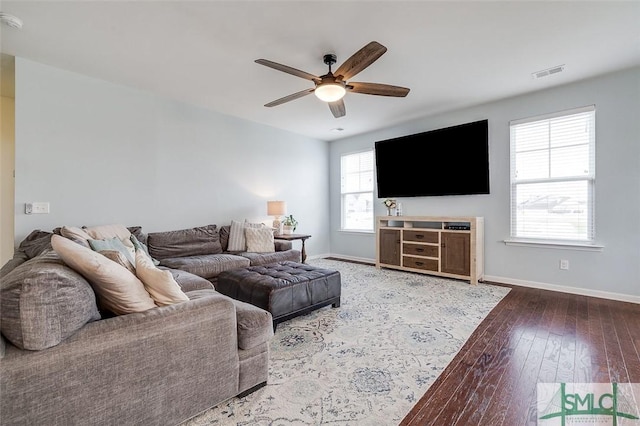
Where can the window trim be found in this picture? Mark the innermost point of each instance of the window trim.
(342, 195)
(587, 244)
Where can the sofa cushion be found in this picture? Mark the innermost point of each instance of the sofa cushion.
(259, 240)
(36, 243)
(278, 256)
(117, 289)
(136, 231)
(18, 259)
(184, 242)
(188, 281)
(161, 285)
(207, 265)
(43, 301)
(224, 237)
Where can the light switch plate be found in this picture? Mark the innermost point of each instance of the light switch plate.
(37, 208)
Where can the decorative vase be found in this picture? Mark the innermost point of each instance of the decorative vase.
(388, 211)
(287, 229)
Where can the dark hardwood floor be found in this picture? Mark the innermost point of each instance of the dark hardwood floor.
(532, 336)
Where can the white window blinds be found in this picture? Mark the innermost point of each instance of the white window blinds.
(553, 176)
(357, 191)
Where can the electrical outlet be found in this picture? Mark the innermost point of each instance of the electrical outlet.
(28, 208)
(564, 264)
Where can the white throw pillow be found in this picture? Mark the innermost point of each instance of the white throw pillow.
(118, 290)
(237, 239)
(160, 284)
(259, 240)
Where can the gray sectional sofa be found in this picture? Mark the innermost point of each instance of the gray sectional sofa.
(65, 362)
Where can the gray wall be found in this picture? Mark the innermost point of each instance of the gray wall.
(103, 153)
(616, 269)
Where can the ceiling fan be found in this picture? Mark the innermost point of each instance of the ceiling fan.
(331, 87)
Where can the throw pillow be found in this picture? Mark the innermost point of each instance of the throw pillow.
(259, 240)
(160, 284)
(118, 290)
(117, 245)
(103, 232)
(43, 301)
(237, 238)
(139, 245)
(75, 234)
(119, 258)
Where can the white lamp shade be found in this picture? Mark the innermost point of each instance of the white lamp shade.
(330, 92)
(276, 208)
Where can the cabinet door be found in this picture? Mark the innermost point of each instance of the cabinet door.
(390, 246)
(455, 253)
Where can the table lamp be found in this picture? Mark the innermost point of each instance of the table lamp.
(277, 209)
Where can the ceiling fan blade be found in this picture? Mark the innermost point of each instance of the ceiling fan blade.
(337, 108)
(287, 69)
(290, 97)
(360, 60)
(377, 89)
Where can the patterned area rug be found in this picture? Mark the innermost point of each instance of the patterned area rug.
(368, 361)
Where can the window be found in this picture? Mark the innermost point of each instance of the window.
(553, 176)
(356, 188)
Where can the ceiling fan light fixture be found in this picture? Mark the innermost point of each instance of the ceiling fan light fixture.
(330, 92)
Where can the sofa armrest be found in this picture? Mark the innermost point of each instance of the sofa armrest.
(283, 245)
(182, 356)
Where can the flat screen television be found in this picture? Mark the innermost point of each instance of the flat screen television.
(448, 161)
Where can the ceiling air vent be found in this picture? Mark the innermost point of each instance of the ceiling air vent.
(547, 72)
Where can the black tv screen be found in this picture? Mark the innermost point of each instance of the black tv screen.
(448, 161)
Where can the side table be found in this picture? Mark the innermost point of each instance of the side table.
(291, 237)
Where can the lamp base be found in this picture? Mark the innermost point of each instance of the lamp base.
(277, 226)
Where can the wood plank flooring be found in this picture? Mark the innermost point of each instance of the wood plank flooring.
(532, 336)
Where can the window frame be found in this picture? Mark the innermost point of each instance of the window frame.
(344, 194)
(590, 179)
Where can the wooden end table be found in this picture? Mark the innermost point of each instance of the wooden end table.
(291, 237)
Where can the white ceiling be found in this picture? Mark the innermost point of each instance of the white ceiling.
(451, 54)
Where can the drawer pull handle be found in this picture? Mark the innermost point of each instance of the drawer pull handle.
(420, 250)
(419, 236)
(419, 263)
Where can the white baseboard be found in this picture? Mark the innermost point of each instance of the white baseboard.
(564, 289)
(524, 283)
(342, 256)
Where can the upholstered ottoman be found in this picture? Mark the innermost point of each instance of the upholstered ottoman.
(286, 289)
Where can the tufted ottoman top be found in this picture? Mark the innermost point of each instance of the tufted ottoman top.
(282, 288)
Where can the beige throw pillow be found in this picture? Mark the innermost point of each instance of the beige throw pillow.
(259, 240)
(160, 284)
(105, 232)
(75, 234)
(117, 289)
(237, 239)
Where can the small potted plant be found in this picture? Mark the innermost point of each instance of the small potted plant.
(389, 204)
(289, 224)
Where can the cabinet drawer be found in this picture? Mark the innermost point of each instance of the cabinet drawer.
(422, 236)
(419, 263)
(420, 250)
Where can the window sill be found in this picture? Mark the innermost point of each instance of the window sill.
(357, 231)
(561, 245)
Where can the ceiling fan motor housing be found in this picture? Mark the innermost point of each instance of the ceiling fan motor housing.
(330, 59)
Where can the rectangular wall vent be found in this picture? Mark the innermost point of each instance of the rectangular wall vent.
(547, 72)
